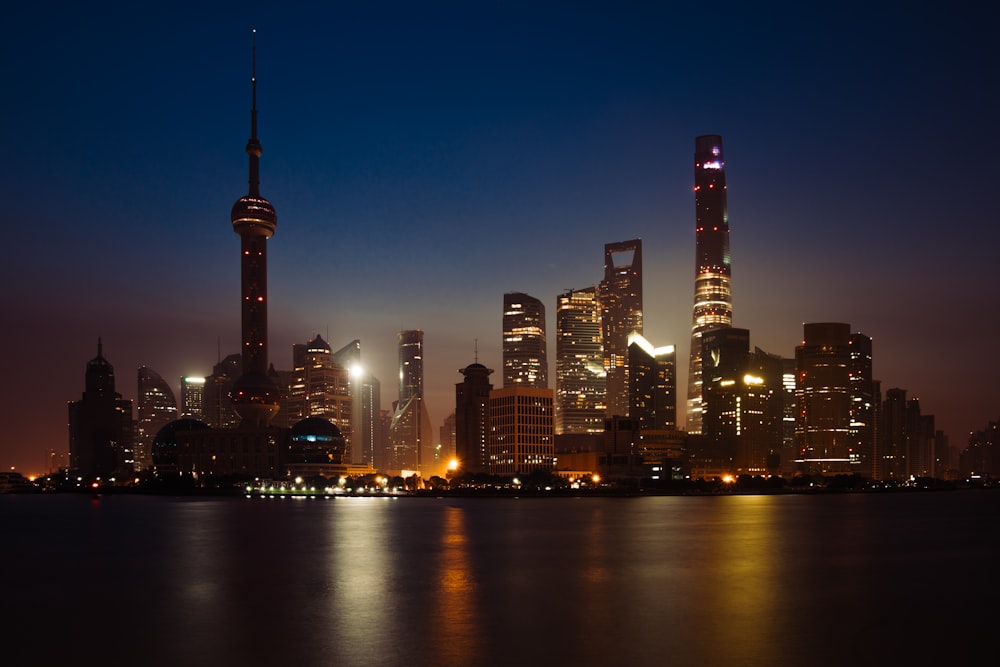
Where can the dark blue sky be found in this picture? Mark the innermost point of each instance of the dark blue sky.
(426, 158)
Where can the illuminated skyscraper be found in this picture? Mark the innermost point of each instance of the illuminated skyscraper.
(524, 347)
(255, 395)
(580, 376)
(193, 397)
(411, 436)
(366, 401)
(411, 364)
(155, 408)
(713, 294)
(620, 297)
(320, 388)
(825, 438)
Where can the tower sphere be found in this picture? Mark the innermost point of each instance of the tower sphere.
(255, 398)
(254, 216)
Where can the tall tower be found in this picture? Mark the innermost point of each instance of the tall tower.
(713, 290)
(255, 396)
(524, 354)
(621, 314)
(580, 373)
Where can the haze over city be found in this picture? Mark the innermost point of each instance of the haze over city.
(425, 160)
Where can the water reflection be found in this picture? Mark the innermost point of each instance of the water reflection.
(455, 619)
(360, 571)
(740, 579)
(759, 580)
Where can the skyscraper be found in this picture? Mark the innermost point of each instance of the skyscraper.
(411, 364)
(742, 402)
(218, 409)
(155, 407)
(580, 376)
(101, 430)
(320, 388)
(863, 403)
(824, 435)
(620, 297)
(255, 395)
(411, 436)
(653, 386)
(472, 418)
(895, 459)
(193, 397)
(524, 347)
(713, 298)
(366, 402)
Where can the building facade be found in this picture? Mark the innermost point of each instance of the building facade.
(522, 433)
(713, 291)
(580, 375)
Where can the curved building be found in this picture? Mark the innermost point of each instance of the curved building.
(713, 290)
(524, 356)
(155, 407)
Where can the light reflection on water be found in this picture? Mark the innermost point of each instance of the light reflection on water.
(745, 580)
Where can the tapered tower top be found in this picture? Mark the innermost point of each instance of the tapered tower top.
(253, 215)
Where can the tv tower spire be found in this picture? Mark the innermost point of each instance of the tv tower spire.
(254, 394)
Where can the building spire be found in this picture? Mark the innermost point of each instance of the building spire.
(253, 144)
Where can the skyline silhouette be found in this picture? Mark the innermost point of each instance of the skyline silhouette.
(427, 160)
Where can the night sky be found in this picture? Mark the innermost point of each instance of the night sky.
(425, 158)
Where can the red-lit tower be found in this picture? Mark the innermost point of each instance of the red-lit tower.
(255, 396)
(713, 289)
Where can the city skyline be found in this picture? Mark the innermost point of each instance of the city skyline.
(408, 185)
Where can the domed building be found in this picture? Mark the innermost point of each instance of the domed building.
(316, 447)
(164, 450)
